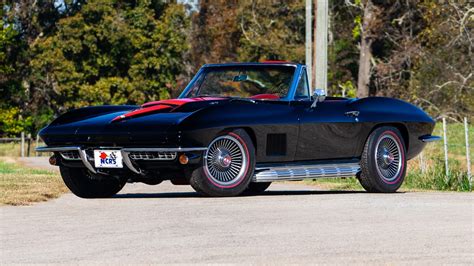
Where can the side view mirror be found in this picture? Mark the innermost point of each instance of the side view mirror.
(319, 95)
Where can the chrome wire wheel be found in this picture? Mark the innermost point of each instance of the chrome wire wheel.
(226, 161)
(388, 158)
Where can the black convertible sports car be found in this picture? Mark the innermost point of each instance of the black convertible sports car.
(235, 129)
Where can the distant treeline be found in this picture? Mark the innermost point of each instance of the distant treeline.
(58, 55)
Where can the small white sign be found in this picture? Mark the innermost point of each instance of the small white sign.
(108, 159)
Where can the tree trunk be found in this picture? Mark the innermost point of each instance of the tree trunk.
(365, 51)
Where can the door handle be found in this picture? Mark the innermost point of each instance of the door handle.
(352, 113)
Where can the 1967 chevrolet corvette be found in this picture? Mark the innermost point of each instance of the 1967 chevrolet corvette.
(235, 129)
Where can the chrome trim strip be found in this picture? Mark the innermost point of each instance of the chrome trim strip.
(52, 149)
(75, 148)
(67, 158)
(299, 172)
(128, 162)
(165, 149)
(83, 155)
(125, 152)
(429, 138)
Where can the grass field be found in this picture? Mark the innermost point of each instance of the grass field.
(13, 149)
(20, 185)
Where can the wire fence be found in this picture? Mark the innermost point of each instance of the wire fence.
(454, 151)
(22, 146)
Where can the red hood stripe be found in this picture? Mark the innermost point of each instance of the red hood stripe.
(162, 105)
(142, 111)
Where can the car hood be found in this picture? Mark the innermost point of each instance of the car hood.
(152, 123)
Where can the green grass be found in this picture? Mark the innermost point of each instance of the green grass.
(456, 139)
(22, 186)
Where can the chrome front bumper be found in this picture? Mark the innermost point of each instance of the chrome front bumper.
(125, 154)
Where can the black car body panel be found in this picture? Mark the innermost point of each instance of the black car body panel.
(285, 130)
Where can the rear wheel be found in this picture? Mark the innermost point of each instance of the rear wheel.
(81, 183)
(227, 167)
(383, 162)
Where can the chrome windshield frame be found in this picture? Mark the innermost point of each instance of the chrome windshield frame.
(291, 91)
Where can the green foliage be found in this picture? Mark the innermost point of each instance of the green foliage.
(443, 75)
(12, 123)
(357, 27)
(435, 179)
(215, 34)
(343, 53)
(7, 41)
(272, 31)
(79, 54)
(109, 54)
(59, 55)
(348, 88)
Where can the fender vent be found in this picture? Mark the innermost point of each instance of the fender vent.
(276, 144)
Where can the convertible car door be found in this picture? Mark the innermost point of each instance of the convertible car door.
(328, 131)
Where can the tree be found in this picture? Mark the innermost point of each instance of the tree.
(443, 71)
(111, 52)
(366, 40)
(215, 33)
(272, 31)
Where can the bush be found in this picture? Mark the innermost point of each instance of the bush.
(12, 123)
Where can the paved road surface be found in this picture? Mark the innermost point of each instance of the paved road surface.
(288, 224)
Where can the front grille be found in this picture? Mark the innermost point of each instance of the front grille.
(153, 155)
(70, 155)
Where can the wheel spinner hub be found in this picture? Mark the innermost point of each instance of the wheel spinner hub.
(223, 158)
(225, 162)
(388, 156)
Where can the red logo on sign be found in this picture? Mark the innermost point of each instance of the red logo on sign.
(103, 155)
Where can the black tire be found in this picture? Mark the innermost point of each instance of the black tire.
(383, 162)
(255, 188)
(81, 184)
(222, 173)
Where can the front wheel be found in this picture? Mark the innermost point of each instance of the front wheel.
(383, 162)
(227, 167)
(256, 188)
(82, 184)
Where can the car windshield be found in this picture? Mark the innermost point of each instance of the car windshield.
(243, 81)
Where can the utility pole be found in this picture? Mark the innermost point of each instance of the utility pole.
(321, 47)
(309, 38)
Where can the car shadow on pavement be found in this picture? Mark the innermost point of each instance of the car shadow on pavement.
(266, 193)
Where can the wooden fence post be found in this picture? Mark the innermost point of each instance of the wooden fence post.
(468, 156)
(422, 163)
(445, 139)
(29, 145)
(22, 144)
(36, 146)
